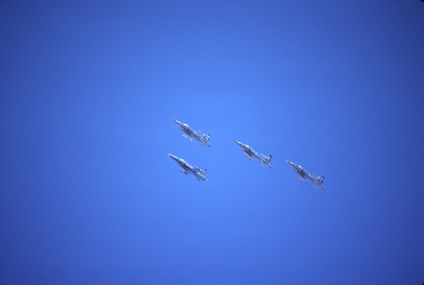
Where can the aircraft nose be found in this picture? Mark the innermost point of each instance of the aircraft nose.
(172, 156)
(177, 122)
(240, 144)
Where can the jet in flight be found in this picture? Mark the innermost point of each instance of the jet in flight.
(304, 175)
(189, 134)
(186, 168)
(251, 154)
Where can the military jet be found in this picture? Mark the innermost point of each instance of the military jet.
(189, 134)
(251, 154)
(186, 168)
(304, 175)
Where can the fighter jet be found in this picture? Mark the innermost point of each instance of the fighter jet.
(189, 134)
(304, 175)
(251, 154)
(186, 168)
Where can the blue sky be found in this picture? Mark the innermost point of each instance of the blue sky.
(89, 195)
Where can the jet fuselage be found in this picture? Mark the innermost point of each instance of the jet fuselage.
(251, 154)
(186, 168)
(191, 134)
(304, 175)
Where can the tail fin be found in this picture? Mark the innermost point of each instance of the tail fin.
(202, 171)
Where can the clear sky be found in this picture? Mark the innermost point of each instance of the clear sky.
(88, 91)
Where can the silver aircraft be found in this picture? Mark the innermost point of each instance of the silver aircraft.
(186, 168)
(251, 154)
(304, 175)
(189, 134)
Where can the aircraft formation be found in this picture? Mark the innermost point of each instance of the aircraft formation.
(249, 152)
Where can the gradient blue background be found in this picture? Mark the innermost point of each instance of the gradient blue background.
(88, 90)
